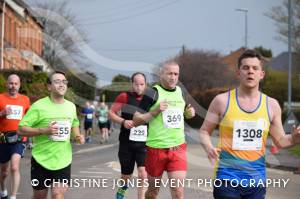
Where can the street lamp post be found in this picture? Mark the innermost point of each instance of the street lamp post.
(245, 11)
(290, 56)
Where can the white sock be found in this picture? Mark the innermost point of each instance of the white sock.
(3, 193)
(12, 197)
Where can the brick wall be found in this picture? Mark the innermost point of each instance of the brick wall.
(20, 34)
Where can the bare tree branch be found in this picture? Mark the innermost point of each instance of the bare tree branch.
(59, 39)
(280, 15)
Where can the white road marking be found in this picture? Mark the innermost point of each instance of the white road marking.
(94, 149)
(85, 176)
(96, 172)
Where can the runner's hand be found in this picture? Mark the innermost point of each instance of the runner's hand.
(80, 139)
(162, 106)
(5, 112)
(128, 124)
(8, 111)
(52, 129)
(296, 134)
(189, 111)
(213, 155)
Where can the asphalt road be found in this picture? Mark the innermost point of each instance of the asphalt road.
(95, 171)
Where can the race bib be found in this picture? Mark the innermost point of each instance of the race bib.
(138, 133)
(247, 135)
(89, 116)
(16, 112)
(102, 119)
(172, 118)
(64, 131)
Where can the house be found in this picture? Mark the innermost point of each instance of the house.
(231, 60)
(21, 36)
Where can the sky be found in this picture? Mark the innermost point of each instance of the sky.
(135, 35)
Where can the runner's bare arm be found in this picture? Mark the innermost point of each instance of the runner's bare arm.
(212, 119)
(115, 117)
(139, 118)
(30, 132)
(210, 123)
(78, 137)
(277, 133)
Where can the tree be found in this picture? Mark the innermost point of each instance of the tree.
(264, 52)
(275, 84)
(84, 89)
(62, 38)
(2, 84)
(118, 84)
(201, 70)
(61, 47)
(120, 79)
(280, 15)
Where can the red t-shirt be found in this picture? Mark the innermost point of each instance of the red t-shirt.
(121, 100)
(19, 106)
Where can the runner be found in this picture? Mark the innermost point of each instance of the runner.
(132, 140)
(166, 147)
(245, 116)
(12, 108)
(51, 121)
(88, 113)
(103, 122)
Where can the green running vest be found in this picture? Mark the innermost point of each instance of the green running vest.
(160, 136)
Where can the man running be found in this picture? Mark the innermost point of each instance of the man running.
(166, 147)
(103, 122)
(132, 140)
(88, 114)
(51, 121)
(245, 116)
(12, 109)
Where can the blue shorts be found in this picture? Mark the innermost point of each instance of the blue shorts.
(239, 192)
(7, 150)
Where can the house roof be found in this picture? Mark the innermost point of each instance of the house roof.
(231, 59)
(29, 11)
